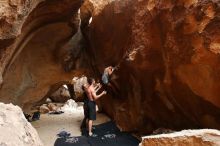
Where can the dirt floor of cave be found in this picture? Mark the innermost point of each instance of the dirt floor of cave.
(50, 125)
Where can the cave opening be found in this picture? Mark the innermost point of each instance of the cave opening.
(59, 112)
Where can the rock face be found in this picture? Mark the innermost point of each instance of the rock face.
(168, 53)
(170, 76)
(13, 15)
(32, 58)
(204, 137)
(16, 130)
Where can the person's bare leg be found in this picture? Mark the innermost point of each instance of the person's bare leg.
(90, 127)
(87, 124)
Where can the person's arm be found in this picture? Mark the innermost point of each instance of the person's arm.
(98, 87)
(95, 97)
(96, 90)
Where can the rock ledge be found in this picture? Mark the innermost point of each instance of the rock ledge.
(202, 137)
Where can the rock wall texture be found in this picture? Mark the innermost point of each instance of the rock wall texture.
(168, 52)
(204, 137)
(33, 59)
(15, 129)
(13, 15)
(170, 77)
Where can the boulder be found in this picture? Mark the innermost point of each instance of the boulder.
(52, 107)
(61, 95)
(169, 58)
(15, 129)
(44, 109)
(78, 82)
(202, 137)
(71, 106)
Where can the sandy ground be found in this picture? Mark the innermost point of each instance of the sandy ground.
(50, 125)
